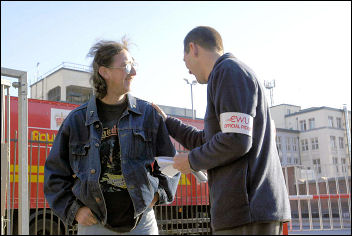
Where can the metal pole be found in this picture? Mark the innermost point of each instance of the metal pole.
(23, 206)
(23, 223)
(37, 71)
(271, 96)
(192, 102)
(191, 83)
(5, 155)
(348, 132)
(8, 158)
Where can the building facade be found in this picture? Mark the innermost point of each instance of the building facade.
(67, 82)
(287, 142)
(320, 134)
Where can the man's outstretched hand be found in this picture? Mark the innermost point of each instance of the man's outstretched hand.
(181, 163)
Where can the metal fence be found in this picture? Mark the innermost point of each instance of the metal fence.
(22, 109)
(188, 214)
(317, 203)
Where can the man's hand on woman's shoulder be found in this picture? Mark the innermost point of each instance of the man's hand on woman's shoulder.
(161, 112)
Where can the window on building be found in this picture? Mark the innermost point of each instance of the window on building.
(315, 144)
(304, 144)
(341, 143)
(333, 142)
(278, 142)
(331, 121)
(311, 123)
(288, 111)
(288, 144)
(343, 165)
(294, 145)
(77, 94)
(316, 164)
(338, 122)
(336, 163)
(296, 161)
(303, 125)
(54, 94)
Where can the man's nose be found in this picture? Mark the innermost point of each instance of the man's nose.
(133, 71)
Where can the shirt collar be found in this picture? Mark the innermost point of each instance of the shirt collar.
(92, 113)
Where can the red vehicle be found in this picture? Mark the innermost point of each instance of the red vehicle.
(188, 213)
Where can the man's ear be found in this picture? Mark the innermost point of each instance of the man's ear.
(193, 48)
(103, 72)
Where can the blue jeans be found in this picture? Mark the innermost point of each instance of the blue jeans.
(146, 226)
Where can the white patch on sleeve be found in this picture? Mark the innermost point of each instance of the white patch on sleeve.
(235, 122)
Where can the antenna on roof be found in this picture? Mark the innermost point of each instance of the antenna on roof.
(270, 85)
(38, 71)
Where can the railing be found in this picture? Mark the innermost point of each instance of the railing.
(188, 214)
(22, 107)
(5, 150)
(67, 65)
(317, 203)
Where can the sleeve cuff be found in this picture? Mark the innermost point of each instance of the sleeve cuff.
(190, 160)
(72, 212)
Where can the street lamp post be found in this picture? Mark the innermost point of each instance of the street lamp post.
(194, 82)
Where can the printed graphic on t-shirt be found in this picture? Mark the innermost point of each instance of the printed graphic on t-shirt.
(109, 132)
(111, 179)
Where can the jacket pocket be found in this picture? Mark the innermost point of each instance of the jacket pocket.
(80, 149)
(79, 153)
(153, 181)
(142, 148)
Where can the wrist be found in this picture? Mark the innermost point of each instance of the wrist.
(156, 198)
(164, 117)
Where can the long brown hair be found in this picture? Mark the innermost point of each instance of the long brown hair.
(103, 52)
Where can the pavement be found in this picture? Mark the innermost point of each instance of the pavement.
(322, 232)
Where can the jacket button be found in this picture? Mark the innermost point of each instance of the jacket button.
(97, 126)
(92, 171)
(97, 144)
(97, 199)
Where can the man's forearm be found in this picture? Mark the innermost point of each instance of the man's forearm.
(220, 150)
(189, 136)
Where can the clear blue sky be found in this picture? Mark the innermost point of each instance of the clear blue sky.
(304, 46)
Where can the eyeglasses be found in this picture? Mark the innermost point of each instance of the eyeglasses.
(127, 67)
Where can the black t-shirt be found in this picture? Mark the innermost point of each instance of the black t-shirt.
(119, 206)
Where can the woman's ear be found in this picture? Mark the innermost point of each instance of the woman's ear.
(103, 72)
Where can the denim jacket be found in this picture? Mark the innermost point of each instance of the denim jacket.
(72, 169)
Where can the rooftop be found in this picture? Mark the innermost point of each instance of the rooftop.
(65, 65)
(311, 109)
(284, 105)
